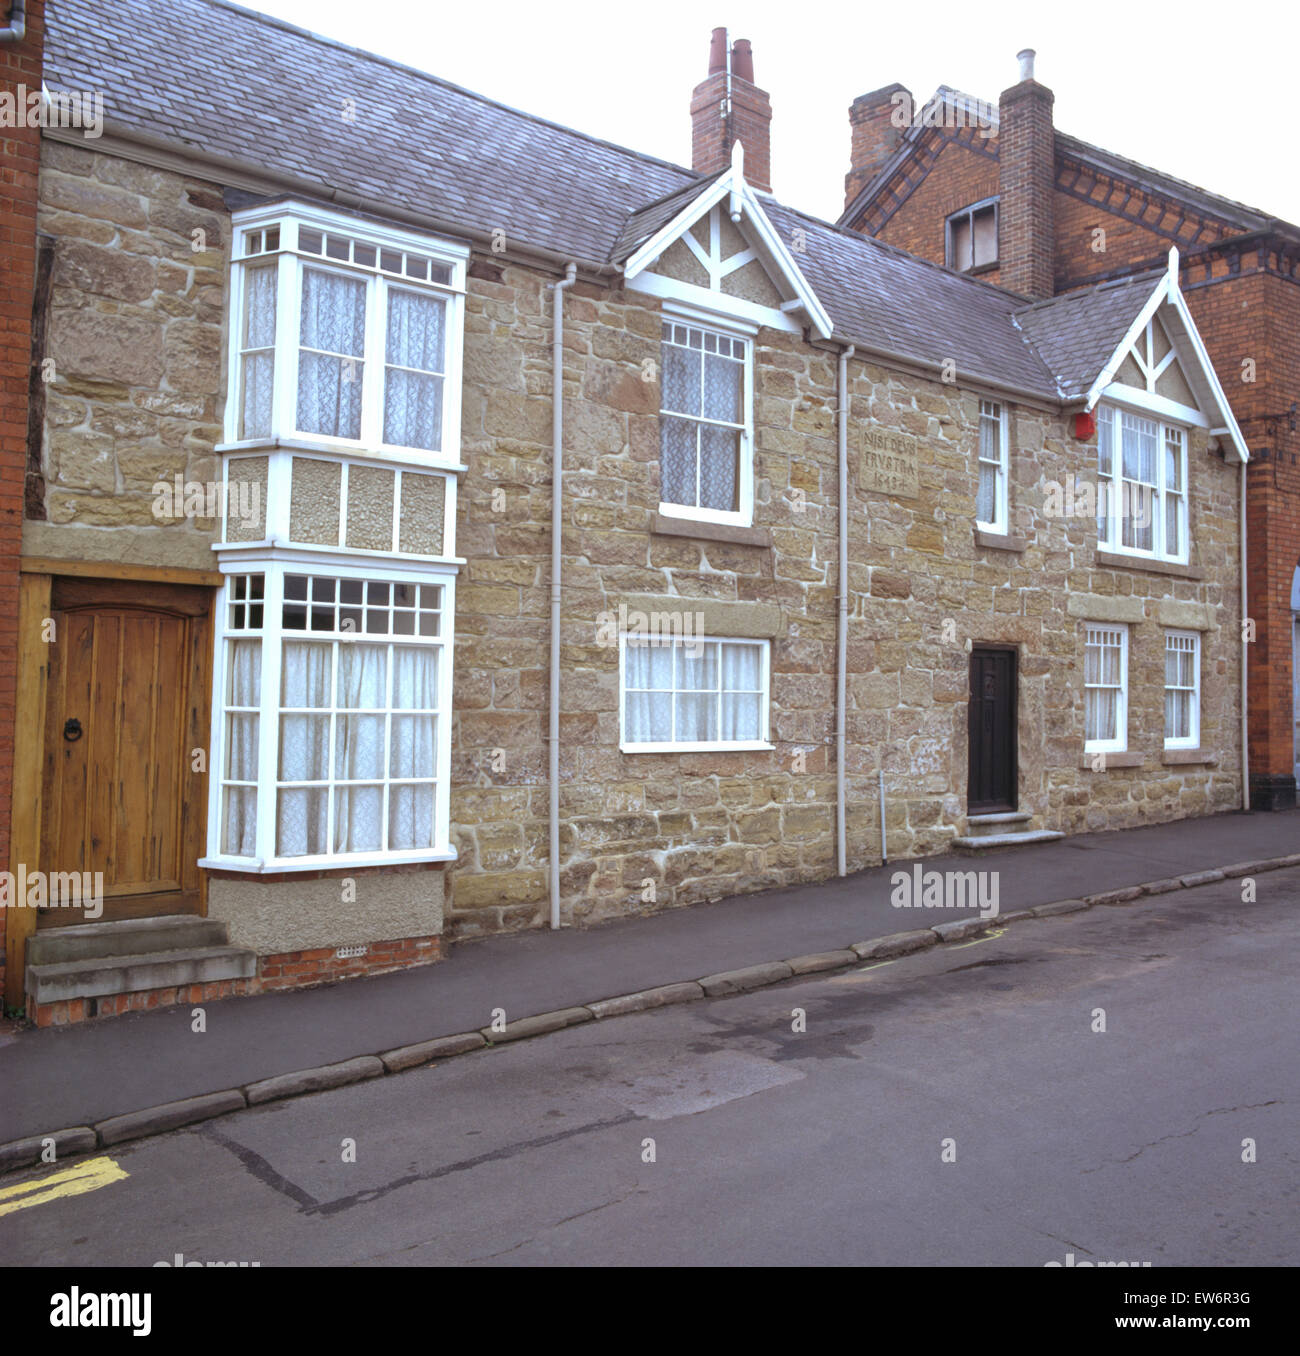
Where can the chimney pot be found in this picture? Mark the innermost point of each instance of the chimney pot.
(726, 111)
(718, 51)
(1026, 60)
(742, 60)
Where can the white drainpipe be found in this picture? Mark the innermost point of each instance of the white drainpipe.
(842, 658)
(16, 29)
(1245, 666)
(557, 489)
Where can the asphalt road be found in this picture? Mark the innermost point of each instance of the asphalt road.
(785, 1147)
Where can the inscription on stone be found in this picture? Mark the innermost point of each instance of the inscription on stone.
(888, 463)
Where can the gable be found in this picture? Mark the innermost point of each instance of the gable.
(1152, 366)
(716, 255)
(720, 252)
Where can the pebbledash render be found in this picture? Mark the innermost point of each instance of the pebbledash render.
(293, 502)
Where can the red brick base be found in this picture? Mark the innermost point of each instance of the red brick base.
(285, 970)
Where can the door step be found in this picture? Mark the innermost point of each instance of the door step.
(101, 969)
(978, 826)
(129, 936)
(981, 842)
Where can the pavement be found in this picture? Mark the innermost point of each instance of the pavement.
(83, 1075)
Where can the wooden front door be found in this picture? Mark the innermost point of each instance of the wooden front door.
(992, 785)
(126, 725)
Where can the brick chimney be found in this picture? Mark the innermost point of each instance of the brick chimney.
(877, 122)
(1026, 185)
(717, 122)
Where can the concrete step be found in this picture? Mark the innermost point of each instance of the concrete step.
(97, 978)
(981, 842)
(980, 826)
(126, 937)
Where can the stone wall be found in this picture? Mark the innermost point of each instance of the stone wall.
(644, 831)
(136, 332)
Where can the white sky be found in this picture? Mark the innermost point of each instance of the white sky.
(1205, 95)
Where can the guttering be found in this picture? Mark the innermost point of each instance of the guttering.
(1245, 650)
(16, 29)
(557, 489)
(842, 633)
(238, 172)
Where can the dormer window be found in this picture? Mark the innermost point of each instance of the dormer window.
(972, 236)
(349, 336)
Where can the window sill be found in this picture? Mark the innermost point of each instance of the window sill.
(248, 866)
(666, 525)
(1119, 560)
(746, 746)
(1175, 757)
(1110, 760)
(998, 541)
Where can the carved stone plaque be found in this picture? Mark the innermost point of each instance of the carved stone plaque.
(888, 464)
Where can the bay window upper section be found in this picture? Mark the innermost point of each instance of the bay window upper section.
(345, 335)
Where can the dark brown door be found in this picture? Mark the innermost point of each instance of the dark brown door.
(126, 715)
(993, 772)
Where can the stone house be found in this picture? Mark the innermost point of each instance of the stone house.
(995, 189)
(423, 545)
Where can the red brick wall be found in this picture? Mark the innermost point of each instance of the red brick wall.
(20, 64)
(1027, 190)
(750, 124)
(960, 175)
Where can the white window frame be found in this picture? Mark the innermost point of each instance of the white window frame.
(969, 213)
(696, 746)
(274, 566)
(1120, 743)
(1193, 739)
(290, 261)
(1111, 498)
(743, 516)
(1001, 514)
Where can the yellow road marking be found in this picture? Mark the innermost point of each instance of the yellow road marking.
(991, 936)
(74, 1181)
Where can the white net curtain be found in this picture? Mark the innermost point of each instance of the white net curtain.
(692, 692)
(702, 381)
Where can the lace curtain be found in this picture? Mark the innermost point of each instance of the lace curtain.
(699, 462)
(990, 460)
(239, 827)
(1180, 679)
(1138, 453)
(413, 398)
(259, 367)
(692, 693)
(330, 367)
(303, 826)
(1102, 678)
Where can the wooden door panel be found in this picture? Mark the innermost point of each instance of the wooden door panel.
(131, 665)
(993, 774)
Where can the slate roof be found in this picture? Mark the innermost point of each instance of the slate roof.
(1077, 332)
(235, 84)
(645, 222)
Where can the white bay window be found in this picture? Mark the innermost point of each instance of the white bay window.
(349, 335)
(331, 729)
